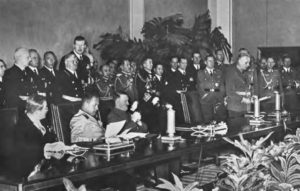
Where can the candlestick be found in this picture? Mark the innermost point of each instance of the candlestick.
(256, 107)
(171, 122)
(277, 101)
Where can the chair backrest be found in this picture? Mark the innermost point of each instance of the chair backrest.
(61, 116)
(8, 120)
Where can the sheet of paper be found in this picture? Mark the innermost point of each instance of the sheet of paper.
(113, 129)
(132, 135)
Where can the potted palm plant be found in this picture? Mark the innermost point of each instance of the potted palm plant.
(165, 37)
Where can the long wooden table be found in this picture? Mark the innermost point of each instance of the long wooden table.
(148, 152)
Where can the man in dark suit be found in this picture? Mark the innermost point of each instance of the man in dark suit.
(83, 61)
(290, 83)
(170, 95)
(210, 86)
(48, 75)
(67, 82)
(2, 71)
(238, 87)
(36, 85)
(14, 80)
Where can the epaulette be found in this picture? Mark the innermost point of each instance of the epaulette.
(119, 74)
(82, 114)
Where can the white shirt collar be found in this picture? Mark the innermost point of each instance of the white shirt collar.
(173, 70)
(158, 77)
(77, 55)
(181, 71)
(287, 69)
(72, 72)
(33, 69)
(50, 69)
(197, 66)
(209, 70)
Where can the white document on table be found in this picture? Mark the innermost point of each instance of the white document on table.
(113, 129)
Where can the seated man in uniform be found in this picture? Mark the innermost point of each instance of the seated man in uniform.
(120, 113)
(84, 125)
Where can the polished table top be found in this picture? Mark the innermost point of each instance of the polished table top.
(147, 151)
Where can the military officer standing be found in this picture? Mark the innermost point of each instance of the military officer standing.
(269, 81)
(105, 88)
(124, 81)
(290, 84)
(14, 80)
(147, 97)
(2, 71)
(210, 86)
(48, 75)
(68, 85)
(238, 87)
(36, 85)
(79, 46)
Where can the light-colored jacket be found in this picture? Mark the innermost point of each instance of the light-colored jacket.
(85, 127)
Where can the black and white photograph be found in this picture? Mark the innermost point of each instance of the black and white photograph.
(149, 95)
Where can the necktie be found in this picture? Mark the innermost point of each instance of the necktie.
(35, 72)
(52, 71)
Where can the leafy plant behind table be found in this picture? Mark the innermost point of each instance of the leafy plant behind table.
(164, 37)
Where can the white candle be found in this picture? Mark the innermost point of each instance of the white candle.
(171, 122)
(256, 107)
(277, 101)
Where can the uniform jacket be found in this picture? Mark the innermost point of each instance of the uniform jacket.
(125, 82)
(144, 83)
(35, 82)
(67, 84)
(105, 88)
(49, 80)
(117, 115)
(15, 85)
(211, 85)
(289, 78)
(85, 127)
(269, 81)
(82, 71)
(236, 82)
(2, 95)
(193, 72)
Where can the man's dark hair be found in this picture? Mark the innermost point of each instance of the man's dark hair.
(55, 58)
(208, 56)
(90, 93)
(79, 38)
(286, 56)
(183, 58)
(158, 64)
(118, 94)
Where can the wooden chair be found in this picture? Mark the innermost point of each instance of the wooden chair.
(61, 115)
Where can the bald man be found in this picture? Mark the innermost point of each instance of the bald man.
(14, 80)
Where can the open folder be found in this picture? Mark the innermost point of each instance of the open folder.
(113, 129)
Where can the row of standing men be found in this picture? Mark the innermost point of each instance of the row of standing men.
(199, 91)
